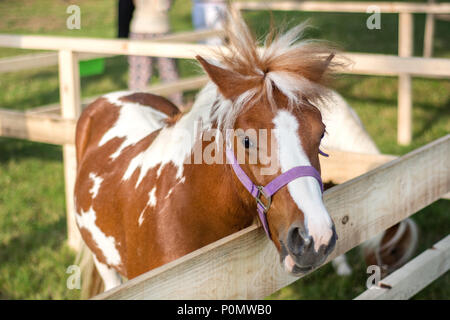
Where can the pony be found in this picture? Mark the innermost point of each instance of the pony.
(154, 183)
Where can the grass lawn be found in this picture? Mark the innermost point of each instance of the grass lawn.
(33, 253)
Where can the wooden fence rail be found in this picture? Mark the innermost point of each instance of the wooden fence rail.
(39, 60)
(343, 6)
(162, 89)
(245, 265)
(363, 63)
(35, 127)
(414, 276)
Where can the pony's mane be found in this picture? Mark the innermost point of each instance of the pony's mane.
(297, 68)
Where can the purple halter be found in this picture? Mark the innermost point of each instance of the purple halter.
(273, 186)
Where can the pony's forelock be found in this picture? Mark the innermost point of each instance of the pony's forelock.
(297, 68)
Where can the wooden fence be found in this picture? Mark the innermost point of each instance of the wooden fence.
(405, 12)
(245, 264)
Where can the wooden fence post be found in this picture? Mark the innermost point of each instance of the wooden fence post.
(429, 34)
(405, 49)
(69, 86)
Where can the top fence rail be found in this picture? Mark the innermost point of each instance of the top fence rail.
(174, 46)
(319, 6)
(363, 63)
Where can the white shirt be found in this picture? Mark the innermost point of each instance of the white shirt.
(151, 16)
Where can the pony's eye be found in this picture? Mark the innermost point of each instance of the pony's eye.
(247, 142)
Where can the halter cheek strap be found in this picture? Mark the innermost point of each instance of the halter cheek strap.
(323, 153)
(272, 187)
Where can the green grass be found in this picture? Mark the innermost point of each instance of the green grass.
(33, 252)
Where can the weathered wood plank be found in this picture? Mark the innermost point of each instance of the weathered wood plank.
(428, 37)
(191, 83)
(52, 109)
(69, 93)
(375, 64)
(343, 6)
(163, 89)
(405, 49)
(155, 48)
(413, 276)
(342, 166)
(40, 60)
(379, 64)
(35, 127)
(245, 265)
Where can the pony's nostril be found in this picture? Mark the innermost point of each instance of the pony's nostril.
(297, 242)
(307, 242)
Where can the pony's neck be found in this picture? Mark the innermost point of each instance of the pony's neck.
(217, 189)
(202, 108)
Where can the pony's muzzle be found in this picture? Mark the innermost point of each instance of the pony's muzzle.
(301, 254)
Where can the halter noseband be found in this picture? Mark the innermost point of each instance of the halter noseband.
(273, 186)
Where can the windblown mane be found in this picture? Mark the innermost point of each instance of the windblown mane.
(283, 61)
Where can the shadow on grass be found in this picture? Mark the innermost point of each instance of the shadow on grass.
(34, 89)
(11, 149)
(436, 113)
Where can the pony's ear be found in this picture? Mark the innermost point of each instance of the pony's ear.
(231, 84)
(328, 61)
(324, 67)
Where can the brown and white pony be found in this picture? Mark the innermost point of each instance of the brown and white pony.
(142, 198)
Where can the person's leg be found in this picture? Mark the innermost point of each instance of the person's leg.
(124, 15)
(198, 16)
(214, 18)
(140, 70)
(168, 72)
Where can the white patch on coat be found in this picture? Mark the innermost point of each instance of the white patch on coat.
(151, 203)
(133, 165)
(174, 143)
(97, 182)
(169, 193)
(111, 278)
(305, 191)
(106, 244)
(152, 197)
(134, 123)
(141, 216)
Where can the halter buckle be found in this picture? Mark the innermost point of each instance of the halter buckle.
(259, 201)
